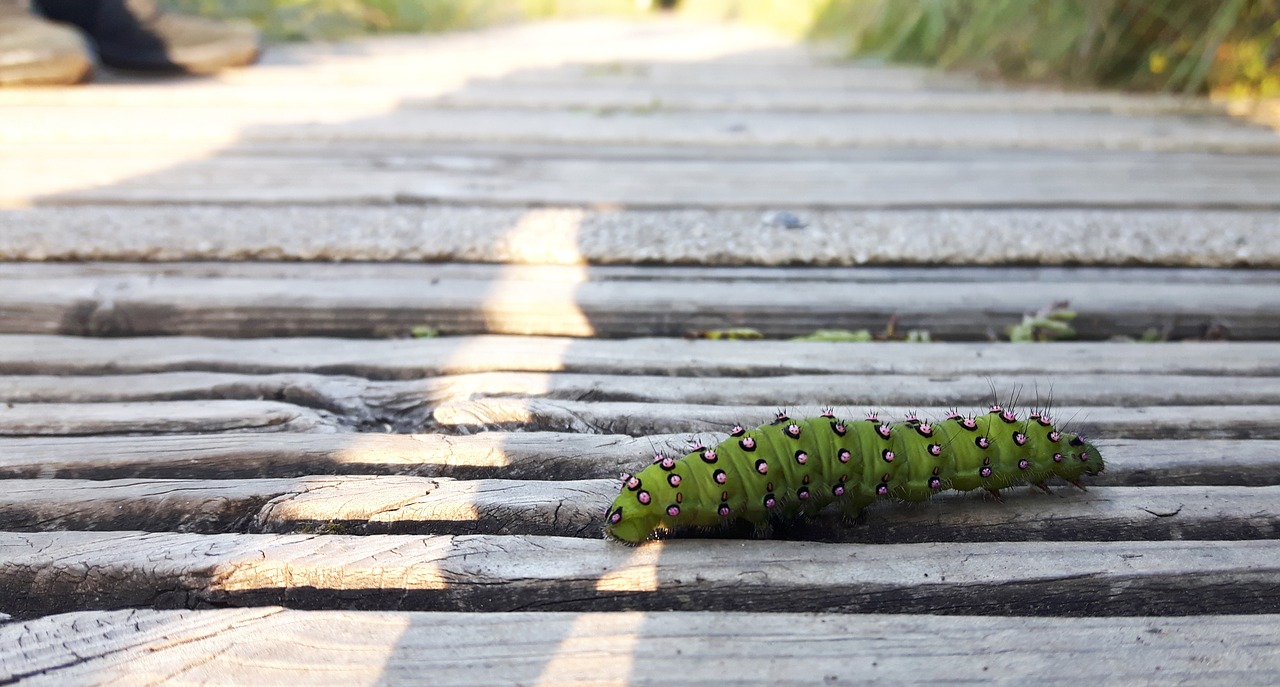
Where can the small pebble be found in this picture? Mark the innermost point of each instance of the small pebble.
(786, 220)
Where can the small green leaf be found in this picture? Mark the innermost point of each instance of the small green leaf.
(837, 335)
(731, 334)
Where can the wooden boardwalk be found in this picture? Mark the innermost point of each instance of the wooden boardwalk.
(225, 458)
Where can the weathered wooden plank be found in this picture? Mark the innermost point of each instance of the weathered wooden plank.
(520, 455)
(729, 74)
(1100, 514)
(416, 505)
(525, 455)
(618, 237)
(349, 505)
(225, 647)
(639, 419)
(345, 396)
(51, 572)
(240, 307)
(931, 130)
(892, 178)
(176, 417)
(398, 505)
(148, 505)
(407, 404)
(859, 391)
(406, 359)
(605, 100)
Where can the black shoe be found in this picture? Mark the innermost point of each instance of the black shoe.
(38, 52)
(136, 34)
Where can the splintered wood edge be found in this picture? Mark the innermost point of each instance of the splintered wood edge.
(635, 648)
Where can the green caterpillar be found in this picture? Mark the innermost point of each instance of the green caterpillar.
(793, 468)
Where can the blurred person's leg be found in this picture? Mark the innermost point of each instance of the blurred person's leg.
(137, 34)
(36, 51)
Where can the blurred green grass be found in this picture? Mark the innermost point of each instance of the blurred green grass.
(1185, 46)
(1231, 47)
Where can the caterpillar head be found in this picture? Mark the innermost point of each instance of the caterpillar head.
(628, 524)
(1081, 458)
(645, 505)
